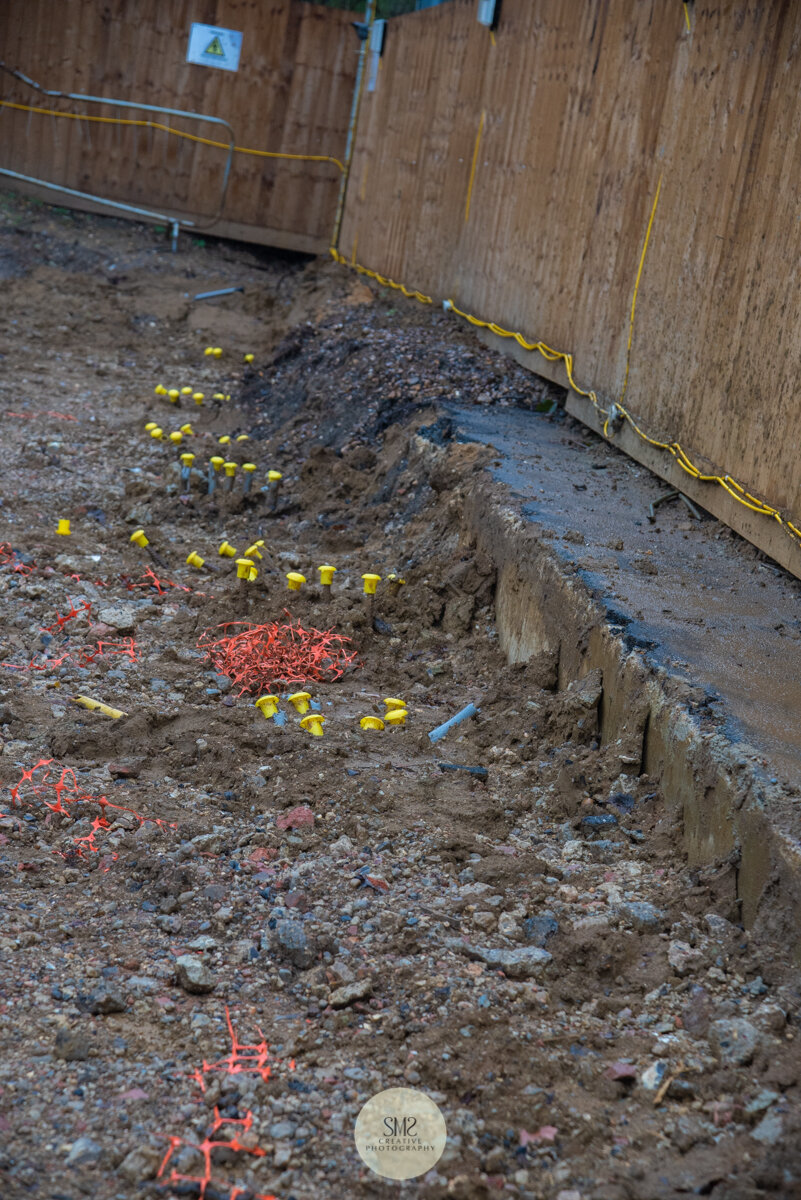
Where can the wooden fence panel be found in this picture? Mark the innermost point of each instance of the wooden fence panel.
(584, 112)
(292, 95)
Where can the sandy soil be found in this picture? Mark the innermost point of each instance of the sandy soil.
(193, 893)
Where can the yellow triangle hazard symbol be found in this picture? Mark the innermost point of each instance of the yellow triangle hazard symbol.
(215, 47)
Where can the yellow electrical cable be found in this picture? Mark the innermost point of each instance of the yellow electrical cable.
(637, 284)
(473, 168)
(411, 295)
(730, 485)
(189, 137)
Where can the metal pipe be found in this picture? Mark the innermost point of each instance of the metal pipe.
(154, 108)
(369, 16)
(57, 187)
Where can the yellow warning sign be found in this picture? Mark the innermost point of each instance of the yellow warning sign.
(213, 46)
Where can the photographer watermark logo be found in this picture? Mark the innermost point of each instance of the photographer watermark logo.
(400, 1133)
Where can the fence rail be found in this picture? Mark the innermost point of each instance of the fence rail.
(288, 106)
(516, 172)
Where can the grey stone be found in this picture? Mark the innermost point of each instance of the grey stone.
(142, 1163)
(282, 1154)
(770, 1016)
(208, 843)
(652, 1077)
(719, 927)
(769, 1130)
(757, 987)
(104, 1000)
(193, 975)
(84, 1151)
(734, 1040)
(683, 958)
(508, 926)
(290, 942)
(696, 1013)
(71, 1046)
(202, 942)
(118, 616)
(142, 985)
(537, 930)
(641, 915)
(522, 963)
(601, 823)
(360, 989)
(688, 1132)
(761, 1102)
(282, 1130)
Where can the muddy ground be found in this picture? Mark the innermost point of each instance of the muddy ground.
(527, 949)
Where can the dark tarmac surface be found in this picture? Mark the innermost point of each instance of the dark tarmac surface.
(699, 600)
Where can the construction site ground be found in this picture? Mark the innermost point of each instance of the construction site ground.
(222, 935)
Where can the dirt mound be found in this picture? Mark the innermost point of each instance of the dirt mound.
(501, 918)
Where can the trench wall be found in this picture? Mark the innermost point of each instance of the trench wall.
(725, 807)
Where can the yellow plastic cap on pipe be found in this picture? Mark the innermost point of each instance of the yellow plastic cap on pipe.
(224, 440)
(268, 706)
(227, 550)
(217, 351)
(173, 395)
(396, 717)
(198, 397)
(194, 560)
(313, 723)
(63, 527)
(177, 437)
(371, 723)
(160, 389)
(208, 351)
(138, 537)
(370, 582)
(186, 391)
(217, 461)
(151, 425)
(300, 700)
(254, 551)
(187, 458)
(326, 574)
(230, 469)
(295, 581)
(392, 702)
(187, 430)
(274, 476)
(249, 467)
(243, 566)
(157, 433)
(248, 358)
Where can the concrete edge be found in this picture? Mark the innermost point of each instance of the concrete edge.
(727, 808)
(763, 532)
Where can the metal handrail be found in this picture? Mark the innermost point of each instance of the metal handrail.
(140, 212)
(154, 108)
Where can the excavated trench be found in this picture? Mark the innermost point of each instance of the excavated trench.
(572, 922)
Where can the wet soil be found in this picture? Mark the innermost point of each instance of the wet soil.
(214, 892)
(701, 602)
